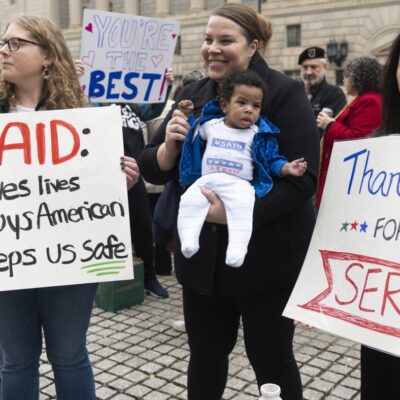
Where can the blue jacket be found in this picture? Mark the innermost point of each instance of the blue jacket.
(267, 161)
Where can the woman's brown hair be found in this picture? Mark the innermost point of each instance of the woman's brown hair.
(253, 25)
(62, 88)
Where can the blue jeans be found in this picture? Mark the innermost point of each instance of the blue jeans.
(64, 314)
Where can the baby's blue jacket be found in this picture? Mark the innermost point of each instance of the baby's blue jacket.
(267, 160)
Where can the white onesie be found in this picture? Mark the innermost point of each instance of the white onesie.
(227, 169)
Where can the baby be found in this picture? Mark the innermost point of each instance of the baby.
(240, 156)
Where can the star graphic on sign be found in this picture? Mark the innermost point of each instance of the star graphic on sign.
(354, 226)
(344, 226)
(363, 227)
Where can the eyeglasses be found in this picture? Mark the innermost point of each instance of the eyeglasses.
(14, 43)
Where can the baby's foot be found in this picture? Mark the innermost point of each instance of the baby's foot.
(188, 249)
(234, 259)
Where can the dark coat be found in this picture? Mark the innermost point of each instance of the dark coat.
(283, 219)
(327, 95)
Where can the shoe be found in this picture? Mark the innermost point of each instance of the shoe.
(154, 288)
(179, 325)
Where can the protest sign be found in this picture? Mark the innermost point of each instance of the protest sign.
(63, 199)
(349, 284)
(126, 56)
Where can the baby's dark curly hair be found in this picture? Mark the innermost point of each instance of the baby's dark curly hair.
(245, 77)
(365, 73)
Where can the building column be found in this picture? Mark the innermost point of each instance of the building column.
(162, 7)
(52, 11)
(103, 5)
(197, 5)
(131, 7)
(75, 13)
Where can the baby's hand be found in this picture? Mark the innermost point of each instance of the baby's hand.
(297, 167)
(186, 106)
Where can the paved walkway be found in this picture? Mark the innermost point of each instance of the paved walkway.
(137, 355)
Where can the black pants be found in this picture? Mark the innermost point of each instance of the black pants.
(212, 324)
(141, 227)
(380, 373)
(162, 257)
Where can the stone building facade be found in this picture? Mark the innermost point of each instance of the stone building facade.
(367, 26)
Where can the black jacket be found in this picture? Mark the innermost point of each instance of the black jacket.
(327, 95)
(283, 220)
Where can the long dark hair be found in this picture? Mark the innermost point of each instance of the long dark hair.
(391, 92)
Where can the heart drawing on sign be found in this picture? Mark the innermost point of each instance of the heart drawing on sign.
(89, 59)
(83, 88)
(89, 27)
(173, 35)
(156, 59)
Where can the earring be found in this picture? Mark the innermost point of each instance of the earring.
(46, 72)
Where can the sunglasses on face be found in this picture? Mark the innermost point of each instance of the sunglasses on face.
(14, 43)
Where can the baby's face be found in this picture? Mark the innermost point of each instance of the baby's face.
(243, 108)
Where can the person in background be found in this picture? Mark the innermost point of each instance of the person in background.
(362, 79)
(37, 73)
(215, 296)
(321, 94)
(133, 114)
(379, 370)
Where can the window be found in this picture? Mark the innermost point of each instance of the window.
(178, 47)
(293, 33)
(339, 77)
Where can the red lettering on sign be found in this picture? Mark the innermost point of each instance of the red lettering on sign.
(57, 128)
(56, 158)
(25, 145)
(371, 281)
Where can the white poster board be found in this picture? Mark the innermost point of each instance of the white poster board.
(349, 284)
(63, 199)
(126, 56)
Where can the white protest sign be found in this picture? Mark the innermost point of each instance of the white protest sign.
(349, 284)
(63, 199)
(126, 56)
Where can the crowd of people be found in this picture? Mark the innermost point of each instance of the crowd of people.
(238, 101)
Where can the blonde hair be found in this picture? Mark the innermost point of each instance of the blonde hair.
(253, 25)
(62, 88)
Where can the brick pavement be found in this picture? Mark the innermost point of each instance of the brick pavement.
(137, 355)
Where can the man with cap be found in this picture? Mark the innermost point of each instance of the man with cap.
(320, 93)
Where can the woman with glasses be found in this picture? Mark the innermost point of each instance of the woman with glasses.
(362, 80)
(37, 73)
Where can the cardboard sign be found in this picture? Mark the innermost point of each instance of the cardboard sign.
(63, 199)
(126, 56)
(350, 281)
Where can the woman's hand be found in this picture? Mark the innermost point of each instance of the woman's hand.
(216, 213)
(323, 120)
(131, 169)
(79, 67)
(169, 75)
(175, 134)
(301, 324)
